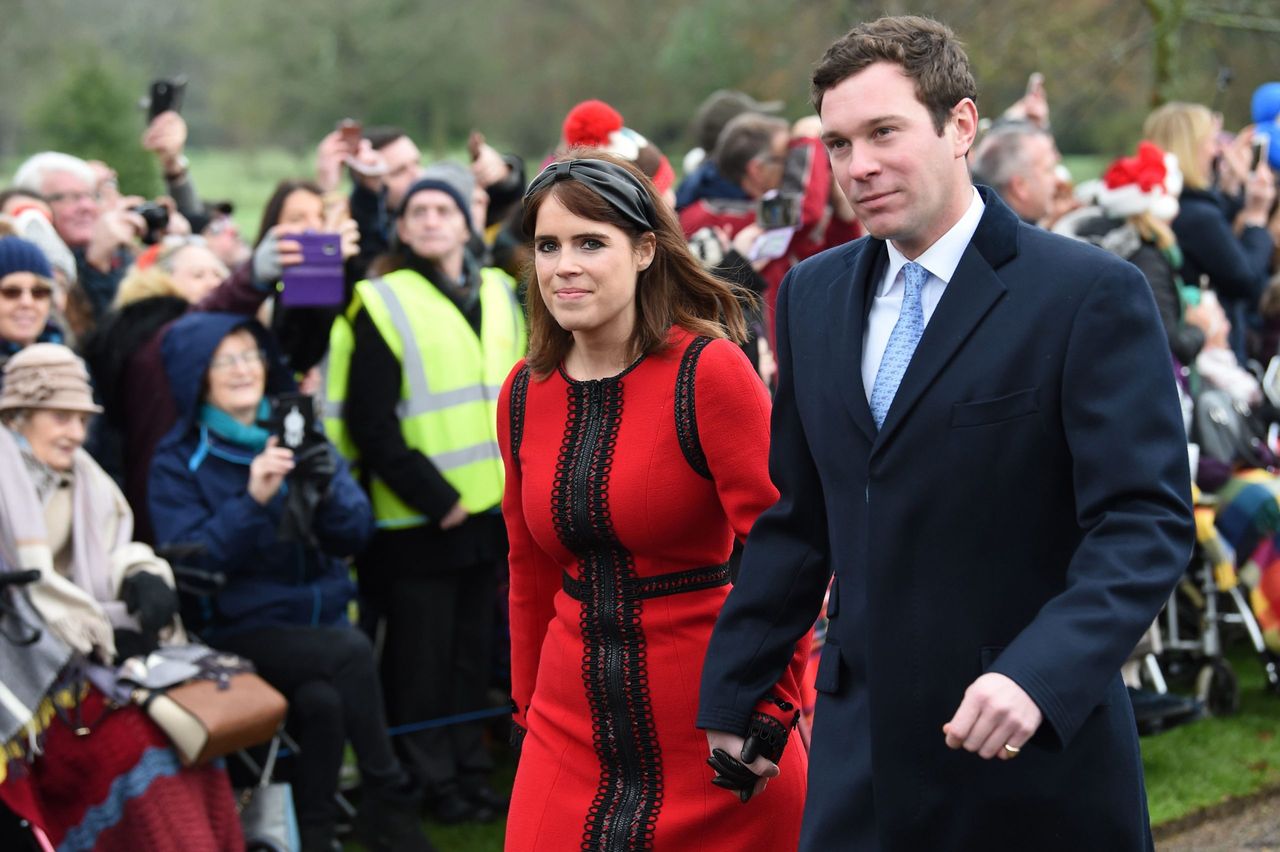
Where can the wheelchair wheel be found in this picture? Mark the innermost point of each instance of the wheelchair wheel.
(1218, 689)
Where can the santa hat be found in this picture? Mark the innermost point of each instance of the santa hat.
(595, 124)
(1149, 182)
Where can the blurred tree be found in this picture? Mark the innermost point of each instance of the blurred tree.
(93, 113)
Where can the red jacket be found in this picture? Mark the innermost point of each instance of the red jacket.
(807, 173)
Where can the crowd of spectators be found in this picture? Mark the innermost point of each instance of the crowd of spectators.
(159, 318)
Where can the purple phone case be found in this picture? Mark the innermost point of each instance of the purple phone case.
(318, 280)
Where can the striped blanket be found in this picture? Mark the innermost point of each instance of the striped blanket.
(108, 780)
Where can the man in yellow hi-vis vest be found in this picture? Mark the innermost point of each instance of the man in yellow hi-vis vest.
(412, 384)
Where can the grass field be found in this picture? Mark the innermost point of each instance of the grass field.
(1210, 761)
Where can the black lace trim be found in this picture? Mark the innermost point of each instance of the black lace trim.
(686, 413)
(624, 812)
(771, 733)
(659, 585)
(519, 392)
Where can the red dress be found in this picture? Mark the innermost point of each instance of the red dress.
(622, 502)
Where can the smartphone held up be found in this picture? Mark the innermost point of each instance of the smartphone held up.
(318, 281)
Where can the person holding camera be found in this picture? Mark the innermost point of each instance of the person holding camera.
(101, 238)
(779, 181)
(277, 524)
(123, 351)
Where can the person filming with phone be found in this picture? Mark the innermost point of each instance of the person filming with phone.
(1223, 210)
(223, 481)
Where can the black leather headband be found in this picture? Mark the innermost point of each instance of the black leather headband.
(613, 183)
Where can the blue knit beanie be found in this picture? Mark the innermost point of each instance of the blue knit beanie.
(453, 179)
(19, 255)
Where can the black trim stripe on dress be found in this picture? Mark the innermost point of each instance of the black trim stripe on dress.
(519, 392)
(624, 812)
(659, 585)
(686, 410)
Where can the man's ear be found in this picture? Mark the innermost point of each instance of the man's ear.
(1016, 187)
(964, 124)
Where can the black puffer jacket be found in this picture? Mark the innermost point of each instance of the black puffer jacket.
(1122, 239)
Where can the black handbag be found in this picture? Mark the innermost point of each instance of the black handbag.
(1228, 432)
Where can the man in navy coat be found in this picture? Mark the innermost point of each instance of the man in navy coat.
(976, 430)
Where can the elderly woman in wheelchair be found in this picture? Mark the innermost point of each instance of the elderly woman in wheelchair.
(278, 524)
(80, 765)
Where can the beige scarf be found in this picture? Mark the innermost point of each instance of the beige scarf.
(84, 609)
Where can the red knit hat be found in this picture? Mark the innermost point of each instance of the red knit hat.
(595, 124)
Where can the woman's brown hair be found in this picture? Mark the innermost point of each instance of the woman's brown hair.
(673, 290)
(275, 204)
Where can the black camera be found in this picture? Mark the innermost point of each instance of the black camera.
(778, 210)
(157, 218)
(165, 95)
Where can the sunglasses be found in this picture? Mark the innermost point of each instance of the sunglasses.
(39, 293)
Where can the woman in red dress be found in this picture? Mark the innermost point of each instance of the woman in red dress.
(635, 439)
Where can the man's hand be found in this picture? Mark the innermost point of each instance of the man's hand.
(166, 137)
(732, 745)
(455, 517)
(487, 165)
(113, 230)
(331, 155)
(995, 712)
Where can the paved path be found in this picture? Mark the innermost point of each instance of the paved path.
(1255, 827)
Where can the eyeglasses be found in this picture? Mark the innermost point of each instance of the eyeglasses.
(250, 358)
(83, 195)
(38, 293)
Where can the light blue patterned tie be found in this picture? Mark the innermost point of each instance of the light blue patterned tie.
(902, 343)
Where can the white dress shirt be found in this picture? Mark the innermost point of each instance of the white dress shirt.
(940, 261)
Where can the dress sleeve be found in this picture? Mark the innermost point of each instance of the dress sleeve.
(732, 407)
(535, 576)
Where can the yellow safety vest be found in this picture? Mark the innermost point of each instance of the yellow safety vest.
(450, 380)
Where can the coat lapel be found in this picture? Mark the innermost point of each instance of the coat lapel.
(850, 302)
(973, 290)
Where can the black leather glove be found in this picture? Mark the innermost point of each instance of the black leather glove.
(732, 774)
(150, 600)
(314, 466)
(131, 643)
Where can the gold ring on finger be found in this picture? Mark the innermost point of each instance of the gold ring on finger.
(1012, 751)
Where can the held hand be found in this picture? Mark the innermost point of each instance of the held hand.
(1233, 164)
(733, 765)
(274, 253)
(1259, 192)
(268, 470)
(113, 230)
(331, 154)
(487, 165)
(455, 517)
(995, 712)
(350, 233)
(166, 137)
(746, 238)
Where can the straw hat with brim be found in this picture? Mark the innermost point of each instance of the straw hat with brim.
(47, 375)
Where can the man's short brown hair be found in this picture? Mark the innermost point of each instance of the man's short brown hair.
(743, 139)
(927, 51)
